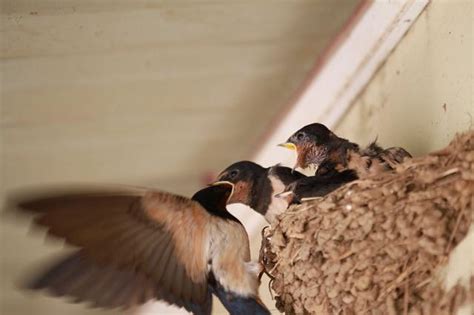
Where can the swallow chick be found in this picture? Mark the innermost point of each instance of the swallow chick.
(311, 187)
(138, 245)
(317, 146)
(256, 186)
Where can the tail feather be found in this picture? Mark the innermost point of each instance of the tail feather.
(239, 305)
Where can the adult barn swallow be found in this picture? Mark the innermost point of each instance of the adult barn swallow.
(256, 186)
(317, 146)
(138, 245)
(315, 186)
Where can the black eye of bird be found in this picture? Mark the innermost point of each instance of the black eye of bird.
(300, 136)
(233, 173)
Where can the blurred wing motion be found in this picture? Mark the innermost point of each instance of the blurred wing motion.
(133, 248)
(78, 277)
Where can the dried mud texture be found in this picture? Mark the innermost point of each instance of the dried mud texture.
(376, 246)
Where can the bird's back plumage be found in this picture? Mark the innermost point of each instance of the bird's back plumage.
(165, 243)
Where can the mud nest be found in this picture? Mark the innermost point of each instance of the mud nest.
(376, 246)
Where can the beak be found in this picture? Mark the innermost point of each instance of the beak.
(288, 145)
(221, 182)
(310, 198)
(224, 182)
(293, 169)
(284, 195)
(287, 196)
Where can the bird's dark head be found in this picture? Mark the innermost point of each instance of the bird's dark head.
(243, 175)
(311, 144)
(215, 196)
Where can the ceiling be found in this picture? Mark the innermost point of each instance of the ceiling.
(143, 92)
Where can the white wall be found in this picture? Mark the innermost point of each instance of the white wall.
(423, 94)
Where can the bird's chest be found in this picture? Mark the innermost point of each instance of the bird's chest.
(227, 236)
(277, 205)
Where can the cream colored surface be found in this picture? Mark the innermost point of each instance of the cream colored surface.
(156, 92)
(364, 46)
(423, 94)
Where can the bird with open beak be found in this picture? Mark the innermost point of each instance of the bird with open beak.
(256, 186)
(318, 147)
(139, 245)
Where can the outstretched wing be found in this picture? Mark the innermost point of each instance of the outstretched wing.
(161, 236)
(80, 278)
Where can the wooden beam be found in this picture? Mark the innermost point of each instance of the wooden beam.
(355, 56)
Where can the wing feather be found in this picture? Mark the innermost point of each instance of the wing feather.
(162, 261)
(107, 287)
(177, 281)
(160, 236)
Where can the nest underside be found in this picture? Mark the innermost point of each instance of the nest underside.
(376, 246)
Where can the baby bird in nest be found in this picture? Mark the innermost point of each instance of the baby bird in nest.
(312, 187)
(318, 147)
(256, 186)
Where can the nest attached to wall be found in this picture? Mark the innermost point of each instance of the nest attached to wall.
(376, 246)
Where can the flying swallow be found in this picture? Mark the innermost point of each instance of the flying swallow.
(317, 146)
(256, 186)
(138, 245)
(310, 187)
